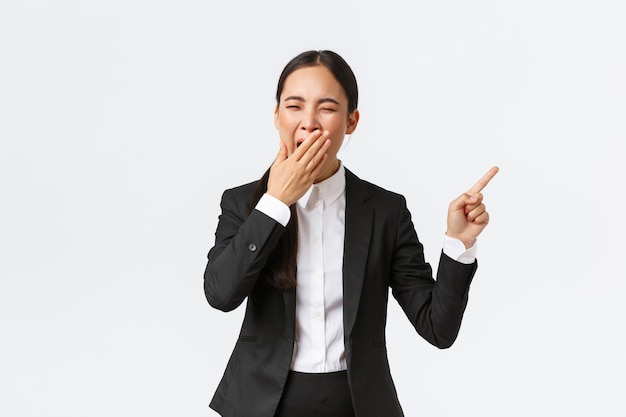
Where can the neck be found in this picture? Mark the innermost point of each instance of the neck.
(333, 167)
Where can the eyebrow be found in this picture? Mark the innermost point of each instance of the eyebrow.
(320, 101)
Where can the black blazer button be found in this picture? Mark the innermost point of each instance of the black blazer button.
(252, 247)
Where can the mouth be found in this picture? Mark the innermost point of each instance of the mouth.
(299, 142)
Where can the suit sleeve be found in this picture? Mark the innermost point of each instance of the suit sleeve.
(434, 307)
(242, 247)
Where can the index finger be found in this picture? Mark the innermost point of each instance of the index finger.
(303, 148)
(482, 183)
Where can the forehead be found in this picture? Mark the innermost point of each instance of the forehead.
(313, 82)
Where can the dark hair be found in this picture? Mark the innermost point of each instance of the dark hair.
(335, 64)
(280, 270)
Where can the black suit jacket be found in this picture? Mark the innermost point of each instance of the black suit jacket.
(381, 251)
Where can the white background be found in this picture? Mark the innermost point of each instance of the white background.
(122, 121)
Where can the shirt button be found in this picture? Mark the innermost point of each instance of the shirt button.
(317, 313)
(252, 247)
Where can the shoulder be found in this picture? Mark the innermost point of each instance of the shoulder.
(370, 191)
(239, 196)
(243, 189)
(378, 191)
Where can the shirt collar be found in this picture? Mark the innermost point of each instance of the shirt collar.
(330, 189)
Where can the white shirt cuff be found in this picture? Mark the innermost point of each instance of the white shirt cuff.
(455, 249)
(274, 208)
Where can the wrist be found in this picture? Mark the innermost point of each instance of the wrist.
(468, 243)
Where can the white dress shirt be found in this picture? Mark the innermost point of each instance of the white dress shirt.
(319, 345)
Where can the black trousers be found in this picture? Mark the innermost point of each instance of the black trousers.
(316, 395)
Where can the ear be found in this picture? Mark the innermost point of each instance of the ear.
(276, 117)
(353, 120)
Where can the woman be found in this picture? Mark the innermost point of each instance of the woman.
(314, 250)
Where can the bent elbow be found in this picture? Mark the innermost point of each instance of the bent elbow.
(217, 299)
(445, 342)
(220, 304)
(216, 294)
(446, 345)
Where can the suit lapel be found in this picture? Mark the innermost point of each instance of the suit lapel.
(359, 217)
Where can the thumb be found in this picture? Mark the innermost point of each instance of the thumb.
(282, 153)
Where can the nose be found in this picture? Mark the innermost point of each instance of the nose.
(310, 121)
